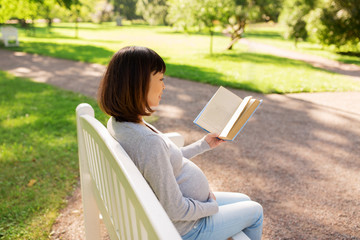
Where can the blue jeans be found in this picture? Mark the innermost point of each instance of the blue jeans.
(236, 213)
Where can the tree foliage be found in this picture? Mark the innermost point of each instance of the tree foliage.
(231, 14)
(30, 9)
(22, 9)
(183, 14)
(153, 11)
(266, 10)
(294, 16)
(337, 22)
(125, 8)
(67, 3)
(330, 22)
(237, 21)
(202, 14)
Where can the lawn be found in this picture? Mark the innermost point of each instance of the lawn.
(187, 56)
(38, 155)
(38, 149)
(273, 35)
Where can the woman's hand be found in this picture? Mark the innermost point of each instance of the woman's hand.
(212, 196)
(213, 140)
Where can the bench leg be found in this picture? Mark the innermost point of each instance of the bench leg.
(91, 212)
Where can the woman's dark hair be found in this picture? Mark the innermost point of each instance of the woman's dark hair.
(125, 85)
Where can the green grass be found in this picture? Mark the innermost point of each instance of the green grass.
(38, 142)
(273, 35)
(187, 56)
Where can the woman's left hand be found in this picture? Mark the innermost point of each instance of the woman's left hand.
(212, 195)
(213, 140)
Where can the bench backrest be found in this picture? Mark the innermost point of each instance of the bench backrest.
(112, 184)
(9, 31)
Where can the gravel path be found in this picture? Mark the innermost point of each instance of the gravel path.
(298, 156)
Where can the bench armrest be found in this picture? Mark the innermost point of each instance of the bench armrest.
(176, 138)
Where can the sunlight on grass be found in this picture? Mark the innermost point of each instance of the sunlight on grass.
(187, 56)
(273, 35)
(38, 145)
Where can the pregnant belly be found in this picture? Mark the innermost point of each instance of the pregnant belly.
(193, 183)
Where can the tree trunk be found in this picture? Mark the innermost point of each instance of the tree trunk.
(237, 32)
(231, 44)
(211, 41)
(23, 23)
(49, 22)
(77, 21)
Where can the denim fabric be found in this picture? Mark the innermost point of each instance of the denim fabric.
(236, 213)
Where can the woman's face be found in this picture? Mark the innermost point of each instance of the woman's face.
(156, 87)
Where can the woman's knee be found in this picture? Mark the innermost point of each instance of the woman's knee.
(259, 211)
(231, 197)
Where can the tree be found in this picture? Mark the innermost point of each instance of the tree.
(18, 9)
(153, 11)
(337, 22)
(27, 9)
(7, 9)
(237, 21)
(183, 14)
(125, 8)
(48, 10)
(67, 3)
(214, 10)
(294, 15)
(232, 14)
(199, 13)
(267, 10)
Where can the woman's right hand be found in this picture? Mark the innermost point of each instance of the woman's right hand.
(213, 140)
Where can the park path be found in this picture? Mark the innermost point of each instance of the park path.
(350, 70)
(298, 156)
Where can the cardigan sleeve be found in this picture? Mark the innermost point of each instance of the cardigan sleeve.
(195, 148)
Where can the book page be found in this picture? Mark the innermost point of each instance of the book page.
(218, 111)
(244, 117)
(244, 105)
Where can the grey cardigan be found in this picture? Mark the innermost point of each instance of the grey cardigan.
(178, 183)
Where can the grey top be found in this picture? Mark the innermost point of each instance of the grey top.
(178, 183)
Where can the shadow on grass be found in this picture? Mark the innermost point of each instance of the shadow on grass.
(95, 27)
(354, 57)
(263, 34)
(191, 33)
(51, 33)
(257, 58)
(349, 53)
(262, 58)
(206, 75)
(38, 130)
(77, 52)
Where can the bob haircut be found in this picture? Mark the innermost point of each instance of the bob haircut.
(124, 88)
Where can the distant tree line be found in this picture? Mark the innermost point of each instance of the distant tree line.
(330, 22)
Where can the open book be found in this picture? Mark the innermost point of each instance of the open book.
(226, 113)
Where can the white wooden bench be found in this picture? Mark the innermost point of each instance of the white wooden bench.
(10, 36)
(112, 186)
